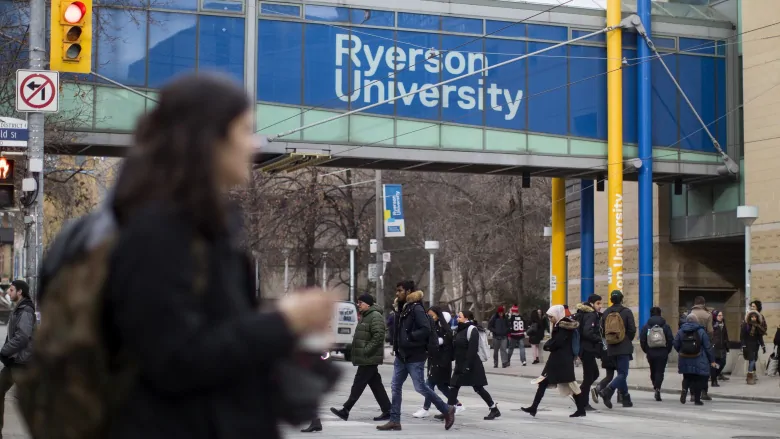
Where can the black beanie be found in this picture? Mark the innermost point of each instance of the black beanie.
(367, 299)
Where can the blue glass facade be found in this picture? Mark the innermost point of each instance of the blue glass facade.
(338, 58)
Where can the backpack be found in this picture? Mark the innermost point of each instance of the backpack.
(656, 337)
(483, 344)
(575, 342)
(690, 344)
(73, 384)
(614, 328)
(433, 337)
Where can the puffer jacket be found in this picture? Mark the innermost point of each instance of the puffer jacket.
(18, 341)
(412, 329)
(590, 329)
(701, 364)
(368, 347)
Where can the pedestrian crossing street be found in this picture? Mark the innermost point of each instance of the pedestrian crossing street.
(647, 419)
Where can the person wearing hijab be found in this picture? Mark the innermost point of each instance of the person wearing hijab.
(559, 369)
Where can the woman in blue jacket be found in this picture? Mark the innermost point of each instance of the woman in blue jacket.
(693, 345)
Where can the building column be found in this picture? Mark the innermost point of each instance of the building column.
(644, 125)
(558, 249)
(587, 257)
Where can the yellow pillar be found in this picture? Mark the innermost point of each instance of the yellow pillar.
(558, 259)
(615, 146)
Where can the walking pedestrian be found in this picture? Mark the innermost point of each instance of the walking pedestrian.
(656, 339)
(499, 327)
(720, 346)
(704, 315)
(619, 329)
(752, 338)
(469, 370)
(411, 338)
(695, 360)
(439, 361)
(559, 369)
(539, 326)
(516, 334)
(197, 367)
(368, 352)
(17, 349)
(588, 317)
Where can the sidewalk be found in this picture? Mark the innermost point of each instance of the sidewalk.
(767, 389)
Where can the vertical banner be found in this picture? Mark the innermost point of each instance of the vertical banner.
(394, 211)
(615, 146)
(558, 250)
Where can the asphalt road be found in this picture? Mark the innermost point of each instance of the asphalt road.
(722, 419)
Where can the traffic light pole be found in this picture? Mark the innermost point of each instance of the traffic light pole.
(35, 124)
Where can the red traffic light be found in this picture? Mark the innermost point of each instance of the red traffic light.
(74, 13)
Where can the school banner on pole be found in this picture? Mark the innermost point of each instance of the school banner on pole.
(394, 211)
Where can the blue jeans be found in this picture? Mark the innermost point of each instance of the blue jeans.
(416, 371)
(752, 366)
(620, 383)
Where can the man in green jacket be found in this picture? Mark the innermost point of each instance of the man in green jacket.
(368, 352)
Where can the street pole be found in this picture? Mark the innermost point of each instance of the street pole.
(352, 244)
(324, 271)
(747, 215)
(548, 234)
(432, 247)
(35, 124)
(379, 229)
(286, 253)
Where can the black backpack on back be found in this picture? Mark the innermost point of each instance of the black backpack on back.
(433, 337)
(690, 344)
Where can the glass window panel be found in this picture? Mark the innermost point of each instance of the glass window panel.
(629, 97)
(698, 46)
(461, 25)
(720, 103)
(172, 43)
(664, 103)
(325, 84)
(372, 17)
(224, 5)
(279, 66)
(588, 92)
(327, 13)
(697, 79)
(117, 109)
(545, 32)
(77, 105)
(124, 3)
(424, 69)
(418, 21)
(461, 101)
(288, 11)
(179, 5)
(505, 28)
(664, 43)
(629, 39)
(547, 103)
(122, 47)
(221, 45)
(511, 79)
(600, 38)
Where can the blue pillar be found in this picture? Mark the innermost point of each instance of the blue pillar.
(586, 240)
(644, 124)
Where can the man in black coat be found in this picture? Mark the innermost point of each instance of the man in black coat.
(622, 351)
(657, 355)
(410, 343)
(591, 345)
(17, 350)
(499, 327)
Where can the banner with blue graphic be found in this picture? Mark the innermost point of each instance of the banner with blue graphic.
(394, 211)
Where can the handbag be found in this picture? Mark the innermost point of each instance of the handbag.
(300, 384)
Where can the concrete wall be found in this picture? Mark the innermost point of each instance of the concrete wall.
(761, 77)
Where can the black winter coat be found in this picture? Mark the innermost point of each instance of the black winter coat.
(590, 329)
(412, 329)
(440, 362)
(720, 340)
(541, 326)
(626, 347)
(499, 326)
(560, 365)
(18, 340)
(656, 352)
(206, 362)
(752, 338)
(469, 370)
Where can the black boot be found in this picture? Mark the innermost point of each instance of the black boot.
(580, 401)
(606, 396)
(627, 401)
(658, 395)
(315, 425)
(494, 413)
(385, 416)
(705, 396)
(343, 414)
(683, 395)
(530, 410)
(537, 400)
(715, 383)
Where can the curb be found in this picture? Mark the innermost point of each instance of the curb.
(664, 391)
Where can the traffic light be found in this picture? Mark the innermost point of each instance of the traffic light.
(6, 183)
(71, 36)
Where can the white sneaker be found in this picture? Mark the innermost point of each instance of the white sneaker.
(459, 409)
(422, 413)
